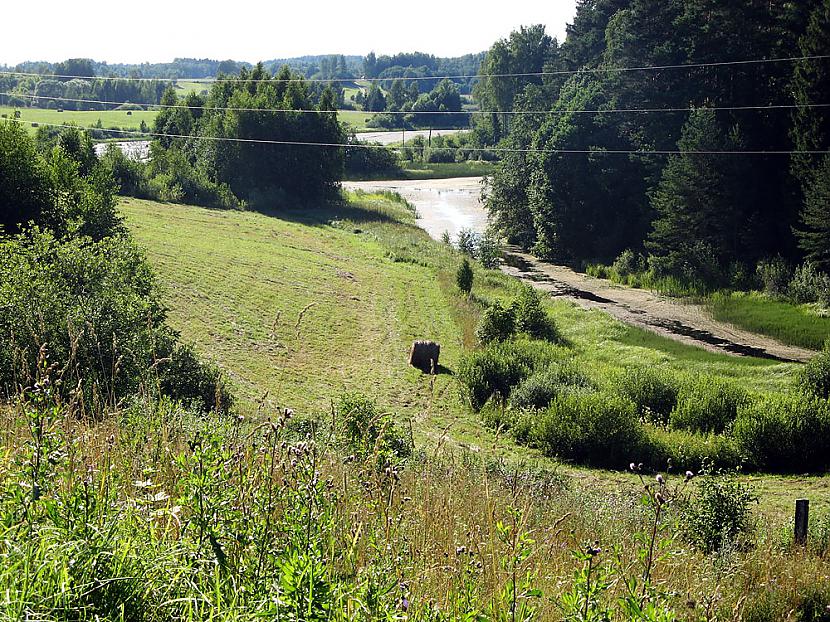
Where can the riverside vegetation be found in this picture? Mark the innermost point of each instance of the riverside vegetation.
(135, 488)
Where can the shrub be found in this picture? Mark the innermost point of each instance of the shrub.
(497, 324)
(718, 514)
(809, 285)
(368, 431)
(467, 242)
(598, 429)
(654, 392)
(95, 308)
(629, 262)
(531, 318)
(537, 390)
(188, 379)
(685, 450)
(785, 432)
(501, 366)
(774, 275)
(488, 250)
(814, 377)
(707, 405)
(464, 276)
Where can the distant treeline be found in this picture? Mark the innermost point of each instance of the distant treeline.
(705, 217)
(420, 65)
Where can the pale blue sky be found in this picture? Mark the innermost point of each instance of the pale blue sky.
(159, 30)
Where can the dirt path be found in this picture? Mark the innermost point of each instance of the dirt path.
(687, 323)
(452, 204)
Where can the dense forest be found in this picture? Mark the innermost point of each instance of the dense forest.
(573, 190)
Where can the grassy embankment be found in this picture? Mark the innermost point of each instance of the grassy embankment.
(305, 306)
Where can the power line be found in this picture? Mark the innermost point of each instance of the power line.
(426, 112)
(596, 151)
(757, 61)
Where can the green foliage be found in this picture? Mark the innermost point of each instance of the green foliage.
(599, 429)
(785, 433)
(464, 276)
(369, 432)
(707, 405)
(718, 514)
(531, 317)
(537, 390)
(497, 323)
(95, 308)
(774, 275)
(653, 391)
(809, 285)
(814, 377)
(499, 367)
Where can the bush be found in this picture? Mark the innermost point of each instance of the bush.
(488, 250)
(539, 389)
(531, 318)
(629, 262)
(785, 433)
(201, 384)
(368, 431)
(464, 276)
(598, 429)
(467, 242)
(683, 450)
(774, 275)
(654, 392)
(129, 175)
(718, 514)
(707, 405)
(95, 308)
(814, 377)
(496, 324)
(809, 285)
(499, 367)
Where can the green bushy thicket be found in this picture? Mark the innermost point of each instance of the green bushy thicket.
(524, 315)
(94, 307)
(599, 429)
(814, 377)
(785, 432)
(718, 514)
(75, 293)
(537, 390)
(707, 405)
(499, 367)
(368, 431)
(654, 392)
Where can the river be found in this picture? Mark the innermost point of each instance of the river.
(443, 204)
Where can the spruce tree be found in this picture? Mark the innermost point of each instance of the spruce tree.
(814, 238)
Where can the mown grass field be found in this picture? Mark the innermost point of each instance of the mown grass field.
(798, 325)
(299, 307)
(84, 118)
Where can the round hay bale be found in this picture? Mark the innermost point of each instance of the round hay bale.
(424, 356)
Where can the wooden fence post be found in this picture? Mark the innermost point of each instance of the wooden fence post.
(802, 517)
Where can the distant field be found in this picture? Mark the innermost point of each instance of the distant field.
(86, 118)
(355, 118)
(184, 87)
(796, 325)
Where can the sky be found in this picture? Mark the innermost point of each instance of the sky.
(161, 30)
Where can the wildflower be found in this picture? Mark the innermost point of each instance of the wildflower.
(660, 479)
(689, 475)
(632, 466)
(460, 550)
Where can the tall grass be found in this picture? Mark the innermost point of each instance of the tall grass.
(153, 513)
(798, 325)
